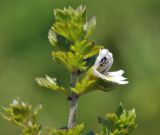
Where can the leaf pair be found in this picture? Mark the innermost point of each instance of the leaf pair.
(51, 84)
(75, 59)
(88, 82)
(72, 61)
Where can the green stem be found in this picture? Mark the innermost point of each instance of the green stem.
(73, 103)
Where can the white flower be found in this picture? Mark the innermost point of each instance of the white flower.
(15, 102)
(30, 123)
(103, 63)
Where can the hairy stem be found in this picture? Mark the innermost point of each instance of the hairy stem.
(73, 103)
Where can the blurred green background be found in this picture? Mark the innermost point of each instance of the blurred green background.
(128, 28)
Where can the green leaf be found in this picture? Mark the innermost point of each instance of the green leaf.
(52, 38)
(120, 110)
(36, 111)
(104, 85)
(72, 61)
(77, 130)
(62, 57)
(94, 51)
(86, 83)
(90, 26)
(105, 123)
(69, 14)
(51, 83)
(87, 49)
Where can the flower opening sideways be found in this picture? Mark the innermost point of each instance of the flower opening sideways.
(102, 65)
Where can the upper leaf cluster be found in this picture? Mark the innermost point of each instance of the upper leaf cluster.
(69, 36)
(71, 24)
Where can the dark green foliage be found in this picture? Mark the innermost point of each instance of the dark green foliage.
(90, 133)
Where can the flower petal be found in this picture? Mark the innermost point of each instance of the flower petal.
(122, 82)
(117, 79)
(116, 73)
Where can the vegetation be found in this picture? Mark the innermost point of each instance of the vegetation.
(69, 37)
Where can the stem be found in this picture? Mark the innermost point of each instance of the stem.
(73, 103)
